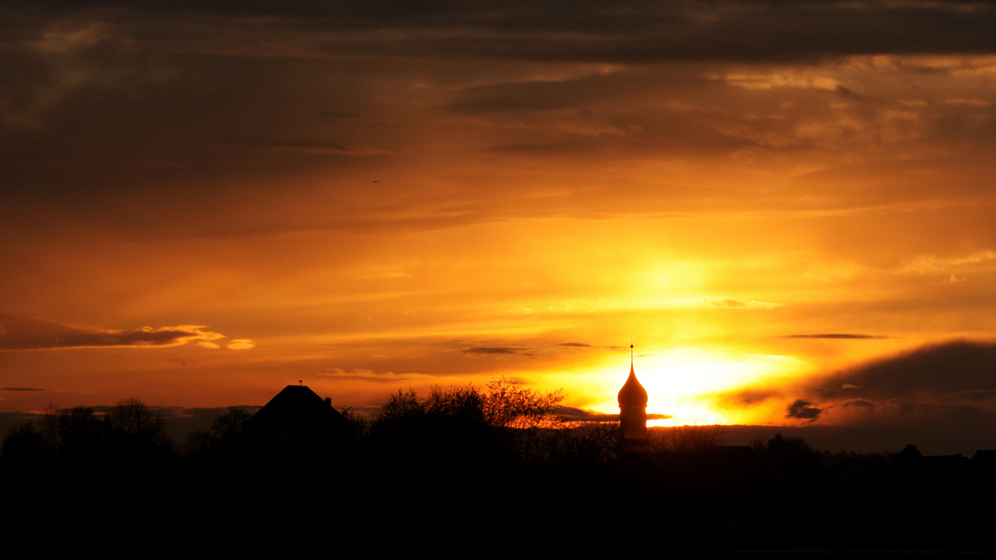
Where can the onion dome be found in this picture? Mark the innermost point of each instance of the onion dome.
(632, 393)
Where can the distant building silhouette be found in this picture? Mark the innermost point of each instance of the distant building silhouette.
(294, 420)
(985, 458)
(945, 467)
(632, 412)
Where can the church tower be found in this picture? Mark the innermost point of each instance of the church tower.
(632, 412)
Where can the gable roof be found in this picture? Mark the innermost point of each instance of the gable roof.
(297, 407)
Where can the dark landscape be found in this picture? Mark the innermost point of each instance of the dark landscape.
(452, 467)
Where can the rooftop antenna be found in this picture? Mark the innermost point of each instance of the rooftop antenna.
(300, 382)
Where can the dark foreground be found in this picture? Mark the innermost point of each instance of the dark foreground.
(451, 484)
(478, 493)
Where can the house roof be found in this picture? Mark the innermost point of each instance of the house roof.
(297, 406)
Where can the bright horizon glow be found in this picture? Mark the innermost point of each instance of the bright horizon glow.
(679, 382)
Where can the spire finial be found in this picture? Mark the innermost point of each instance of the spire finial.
(631, 352)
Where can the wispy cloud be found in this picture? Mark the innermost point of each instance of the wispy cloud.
(769, 81)
(851, 336)
(731, 303)
(497, 350)
(925, 264)
(240, 344)
(717, 303)
(370, 375)
(22, 333)
(968, 102)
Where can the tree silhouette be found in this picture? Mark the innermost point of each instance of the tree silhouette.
(134, 417)
(501, 404)
(511, 405)
(229, 424)
(226, 432)
(223, 441)
(26, 446)
(358, 423)
(683, 439)
(402, 405)
(72, 433)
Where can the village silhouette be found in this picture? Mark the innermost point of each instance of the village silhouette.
(472, 468)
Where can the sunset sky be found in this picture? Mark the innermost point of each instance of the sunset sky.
(789, 206)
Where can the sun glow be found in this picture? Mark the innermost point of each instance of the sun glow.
(679, 383)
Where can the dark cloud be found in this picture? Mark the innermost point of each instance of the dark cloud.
(935, 393)
(581, 415)
(860, 403)
(953, 369)
(978, 394)
(630, 31)
(21, 333)
(572, 414)
(116, 115)
(575, 344)
(803, 410)
(21, 389)
(954, 378)
(853, 336)
(497, 350)
(748, 396)
(305, 145)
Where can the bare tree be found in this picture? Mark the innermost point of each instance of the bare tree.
(228, 425)
(502, 404)
(74, 432)
(512, 405)
(134, 417)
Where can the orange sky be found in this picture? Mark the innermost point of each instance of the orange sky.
(368, 202)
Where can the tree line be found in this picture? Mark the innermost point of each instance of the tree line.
(472, 456)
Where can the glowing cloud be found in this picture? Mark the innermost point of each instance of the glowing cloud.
(21, 333)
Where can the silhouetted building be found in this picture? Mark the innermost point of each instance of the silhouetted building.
(981, 473)
(945, 467)
(295, 421)
(632, 412)
(985, 459)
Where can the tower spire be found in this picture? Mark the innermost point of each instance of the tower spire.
(632, 400)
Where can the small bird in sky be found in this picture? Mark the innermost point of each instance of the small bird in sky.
(377, 181)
